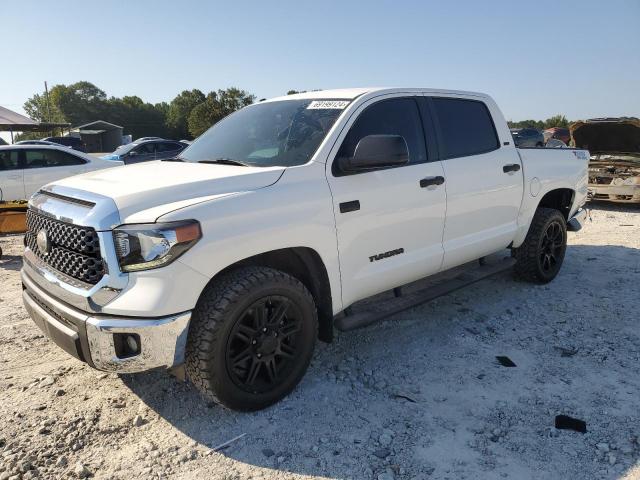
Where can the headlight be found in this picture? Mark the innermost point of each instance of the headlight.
(632, 181)
(152, 245)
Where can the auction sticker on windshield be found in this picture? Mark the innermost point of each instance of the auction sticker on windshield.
(328, 104)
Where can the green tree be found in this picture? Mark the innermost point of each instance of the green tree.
(139, 119)
(179, 110)
(216, 106)
(557, 121)
(526, 124)
(80, 102)
(36, 108)
(83, 102)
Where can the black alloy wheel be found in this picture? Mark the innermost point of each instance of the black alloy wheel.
(262, 346)
(552, 245)
(251, 337)
(540, 256)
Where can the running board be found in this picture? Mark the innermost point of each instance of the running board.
(439, 285)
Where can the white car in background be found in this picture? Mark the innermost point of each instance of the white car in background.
(24, 169)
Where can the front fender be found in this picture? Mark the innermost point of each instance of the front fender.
(297, 211)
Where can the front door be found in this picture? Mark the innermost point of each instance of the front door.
(145, 152)
(45, 165)
(389, 223)
(11, 176)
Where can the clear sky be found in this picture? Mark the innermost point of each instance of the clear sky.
(537, 58)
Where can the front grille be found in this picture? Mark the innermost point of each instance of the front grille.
(74, 250)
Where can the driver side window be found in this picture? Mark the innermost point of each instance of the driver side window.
(145, 149)
(396, 116)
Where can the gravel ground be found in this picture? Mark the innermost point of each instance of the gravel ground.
(418, 396)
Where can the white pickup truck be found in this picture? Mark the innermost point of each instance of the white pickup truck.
(234, 257)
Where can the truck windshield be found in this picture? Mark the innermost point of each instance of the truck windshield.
(282, 133)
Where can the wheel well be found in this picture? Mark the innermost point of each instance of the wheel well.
(306, 265)
(561, 199)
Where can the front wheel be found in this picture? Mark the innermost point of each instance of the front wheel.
(541, 255)
(251, 338)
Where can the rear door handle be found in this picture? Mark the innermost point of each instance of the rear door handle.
(428, 181)
(512, 167)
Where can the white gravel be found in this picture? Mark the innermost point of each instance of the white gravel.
(418, 396)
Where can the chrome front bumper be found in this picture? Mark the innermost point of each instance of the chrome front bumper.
(91, 338)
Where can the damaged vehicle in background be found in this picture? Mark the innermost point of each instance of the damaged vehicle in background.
(614, 166)
(557, 133)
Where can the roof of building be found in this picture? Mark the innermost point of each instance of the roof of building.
(14, 121)
(9, 117)
(98, 125)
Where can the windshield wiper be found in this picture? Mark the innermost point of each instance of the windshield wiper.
(226, 161)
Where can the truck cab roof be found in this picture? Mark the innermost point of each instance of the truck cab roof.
(352, 93)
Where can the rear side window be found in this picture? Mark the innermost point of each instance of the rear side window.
(8, 160)
(50, 158)
(397, 116)
(466, 127)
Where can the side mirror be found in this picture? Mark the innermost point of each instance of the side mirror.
(132, 153)
(377, 151)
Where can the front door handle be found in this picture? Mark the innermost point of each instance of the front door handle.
(428, 181)
(512, 167)
(351, 206)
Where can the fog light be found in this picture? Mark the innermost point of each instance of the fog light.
(132, 343)
(126, 344)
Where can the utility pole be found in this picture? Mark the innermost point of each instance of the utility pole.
(46, 93)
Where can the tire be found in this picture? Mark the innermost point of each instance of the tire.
(251, 338)
(541, 255)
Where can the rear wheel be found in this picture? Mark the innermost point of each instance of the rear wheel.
(541, 255)
(252, 337)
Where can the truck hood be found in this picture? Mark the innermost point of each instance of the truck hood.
(145, 191)
(607, 135)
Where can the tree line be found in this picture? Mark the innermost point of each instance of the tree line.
(187, 116)
(555, 121)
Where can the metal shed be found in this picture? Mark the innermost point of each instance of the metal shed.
(100, 136)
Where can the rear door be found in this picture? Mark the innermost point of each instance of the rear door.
(46, 165)
(11, 176)
(484, 179)
(389, 221)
